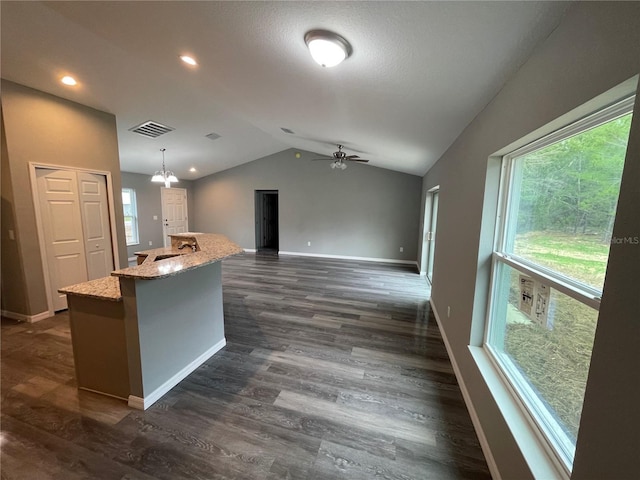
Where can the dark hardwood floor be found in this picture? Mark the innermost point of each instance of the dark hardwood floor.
(333, 369)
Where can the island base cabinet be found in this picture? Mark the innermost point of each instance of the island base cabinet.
(99, 345)
(173, 325)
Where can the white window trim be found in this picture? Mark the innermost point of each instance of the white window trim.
(582, 293)
(493, 364)
(535, 448)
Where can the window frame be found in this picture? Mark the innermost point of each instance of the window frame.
(555, 441)
(134, 226)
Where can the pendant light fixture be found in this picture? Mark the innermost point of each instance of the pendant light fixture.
(327, 48)
(164, 175)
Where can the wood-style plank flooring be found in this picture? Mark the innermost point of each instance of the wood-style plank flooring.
(333, 369)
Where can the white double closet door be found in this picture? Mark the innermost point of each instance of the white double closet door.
(75, 223)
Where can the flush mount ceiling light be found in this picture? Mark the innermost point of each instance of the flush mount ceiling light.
(68, 80)
(164, 175)
(327, 48)
(188, 60)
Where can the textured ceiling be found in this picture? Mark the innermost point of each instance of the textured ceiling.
(419, 73)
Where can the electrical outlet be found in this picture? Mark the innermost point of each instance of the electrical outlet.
(308, 244)
(150, 243)
(155, 217)
(401, 249)
(448, 311)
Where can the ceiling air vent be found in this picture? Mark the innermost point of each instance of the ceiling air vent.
(151, 129)
(286, 130)
(212, 136)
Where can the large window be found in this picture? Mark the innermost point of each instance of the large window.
(130, 216)
(558, 201)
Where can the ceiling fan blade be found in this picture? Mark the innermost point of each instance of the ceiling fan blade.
(362, 160)
(351, 157)
(328, 158)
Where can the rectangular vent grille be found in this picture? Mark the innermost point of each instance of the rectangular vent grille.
(212, 136)
(151, 129)
(286, 130)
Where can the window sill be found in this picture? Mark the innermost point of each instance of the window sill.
(133, 244)
(541, 461)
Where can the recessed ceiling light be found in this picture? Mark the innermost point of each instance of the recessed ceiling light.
(192, 169)
(188, 60)
(327, 48)
(67, 80)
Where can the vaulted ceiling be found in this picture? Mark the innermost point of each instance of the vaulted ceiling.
(418, 74)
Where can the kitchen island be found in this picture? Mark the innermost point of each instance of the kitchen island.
(139, 332)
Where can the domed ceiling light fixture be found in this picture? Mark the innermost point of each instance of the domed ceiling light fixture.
(164, 175)
(328, 49)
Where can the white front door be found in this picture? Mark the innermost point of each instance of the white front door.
(95, 220)
(62, 229)
(174, 212)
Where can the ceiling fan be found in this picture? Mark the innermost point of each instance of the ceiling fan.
(339, 158)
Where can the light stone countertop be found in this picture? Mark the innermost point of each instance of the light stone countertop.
(211, 248)
(106, 288)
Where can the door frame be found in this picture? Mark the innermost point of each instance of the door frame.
(33, 166)
(428, 214)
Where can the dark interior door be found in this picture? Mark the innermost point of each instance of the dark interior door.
(267, 234)
(271, 221)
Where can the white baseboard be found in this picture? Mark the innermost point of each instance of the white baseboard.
(132, 259)
(250, 250)
(484, 444)
(21, 317)
(144, 403)
(347, 257)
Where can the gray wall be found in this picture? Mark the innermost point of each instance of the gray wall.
(39, 127)
(362, 211)
(595, 48)
(14, 295)
(149, 204)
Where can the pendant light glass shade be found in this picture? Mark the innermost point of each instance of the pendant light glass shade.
(164, 175)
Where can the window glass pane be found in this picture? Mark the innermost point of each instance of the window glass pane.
(564, 200)
(548, 337)
(558, 223)
(130, 216)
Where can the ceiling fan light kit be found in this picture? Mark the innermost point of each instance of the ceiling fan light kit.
(339, 165)
(164, 175)
(328, 49)
(339, 158)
